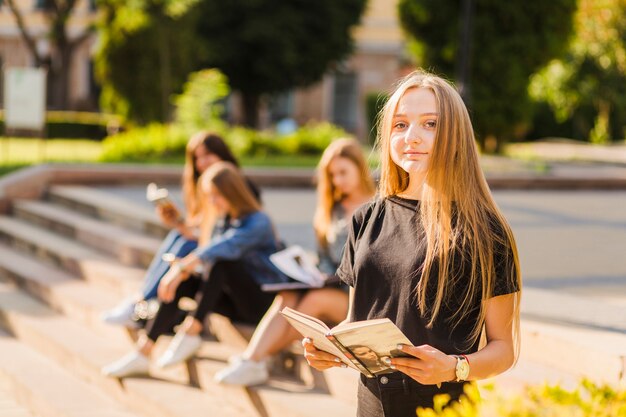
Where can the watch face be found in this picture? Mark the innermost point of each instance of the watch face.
(462, 369)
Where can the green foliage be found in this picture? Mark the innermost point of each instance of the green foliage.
(166, 142)
(587, 400)
(310, 139)
(199, 107)
(587, 85)
(153, 142)
(271, 46)
(510, 41)
(374, 103)
(147, 49)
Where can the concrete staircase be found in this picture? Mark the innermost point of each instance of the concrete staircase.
(66, 258)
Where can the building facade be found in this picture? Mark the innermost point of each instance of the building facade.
(378, 61)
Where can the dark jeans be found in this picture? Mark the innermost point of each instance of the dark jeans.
(228, 290)
(397, 395)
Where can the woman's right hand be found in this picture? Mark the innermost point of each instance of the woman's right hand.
(319, 359)
(168, 214)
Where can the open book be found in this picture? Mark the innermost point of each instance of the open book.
(362, 345)
(157, 195)
(298, 265)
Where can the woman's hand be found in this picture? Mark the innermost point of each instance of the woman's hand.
(429, 366)
(169, 284)
(319, 359)
(168, 214)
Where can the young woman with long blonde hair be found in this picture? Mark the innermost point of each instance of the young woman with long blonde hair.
(344, 184)
(234, 250)
(433, 253)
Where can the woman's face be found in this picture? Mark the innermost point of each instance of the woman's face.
(204, 158)
(413, 130)
(344, 175)
(217, 200)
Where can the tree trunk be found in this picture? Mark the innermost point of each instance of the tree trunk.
(63, 77)
(30, 42)
(166, 70)
(250, 109)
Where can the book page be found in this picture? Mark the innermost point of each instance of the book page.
(371, 342)
(315, 330)
(297, 264)
(154, 194)
(281, 286)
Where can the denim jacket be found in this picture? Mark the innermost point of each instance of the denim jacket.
(249, 239)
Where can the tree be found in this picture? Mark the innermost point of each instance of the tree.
(587, 85)
(58, 62)
(270, 46)
(147, 49)
(510, 41)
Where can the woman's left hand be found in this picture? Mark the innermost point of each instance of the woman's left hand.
(429, 366)
(169, 284)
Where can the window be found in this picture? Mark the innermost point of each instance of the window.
(281, 106)
(345, 100)
(43, 4)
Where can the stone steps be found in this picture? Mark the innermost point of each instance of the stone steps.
(9, 406)
(60, 290)
(106, 206)
(84, 352)
(128, 247)
(40, 387)
(70, 255)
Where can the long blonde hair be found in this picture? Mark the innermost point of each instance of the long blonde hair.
(457, 210)
(212, 143)
(327, 194)
(230, 183)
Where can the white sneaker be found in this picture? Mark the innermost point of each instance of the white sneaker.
(121, 315)
(246, 372)
(134, 363)
(181, 348)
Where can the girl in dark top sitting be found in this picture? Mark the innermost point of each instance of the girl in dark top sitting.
(433, 254)
(344, 184)
(237, 239)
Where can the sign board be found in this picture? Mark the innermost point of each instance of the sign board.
(25, 98)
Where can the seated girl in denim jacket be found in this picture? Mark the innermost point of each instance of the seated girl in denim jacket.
(203, 150)
(237, 260)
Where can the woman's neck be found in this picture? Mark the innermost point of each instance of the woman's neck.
(415, 187)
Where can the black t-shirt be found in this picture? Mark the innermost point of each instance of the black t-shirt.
(382, 260)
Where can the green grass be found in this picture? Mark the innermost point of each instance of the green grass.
(21, 151)
(16, 153)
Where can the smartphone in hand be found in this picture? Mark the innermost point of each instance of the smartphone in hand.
(161, 199)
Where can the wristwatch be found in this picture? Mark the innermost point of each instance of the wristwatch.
(462, 368)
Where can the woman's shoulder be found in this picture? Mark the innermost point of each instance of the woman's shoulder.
(257, 218)
(363, 214)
